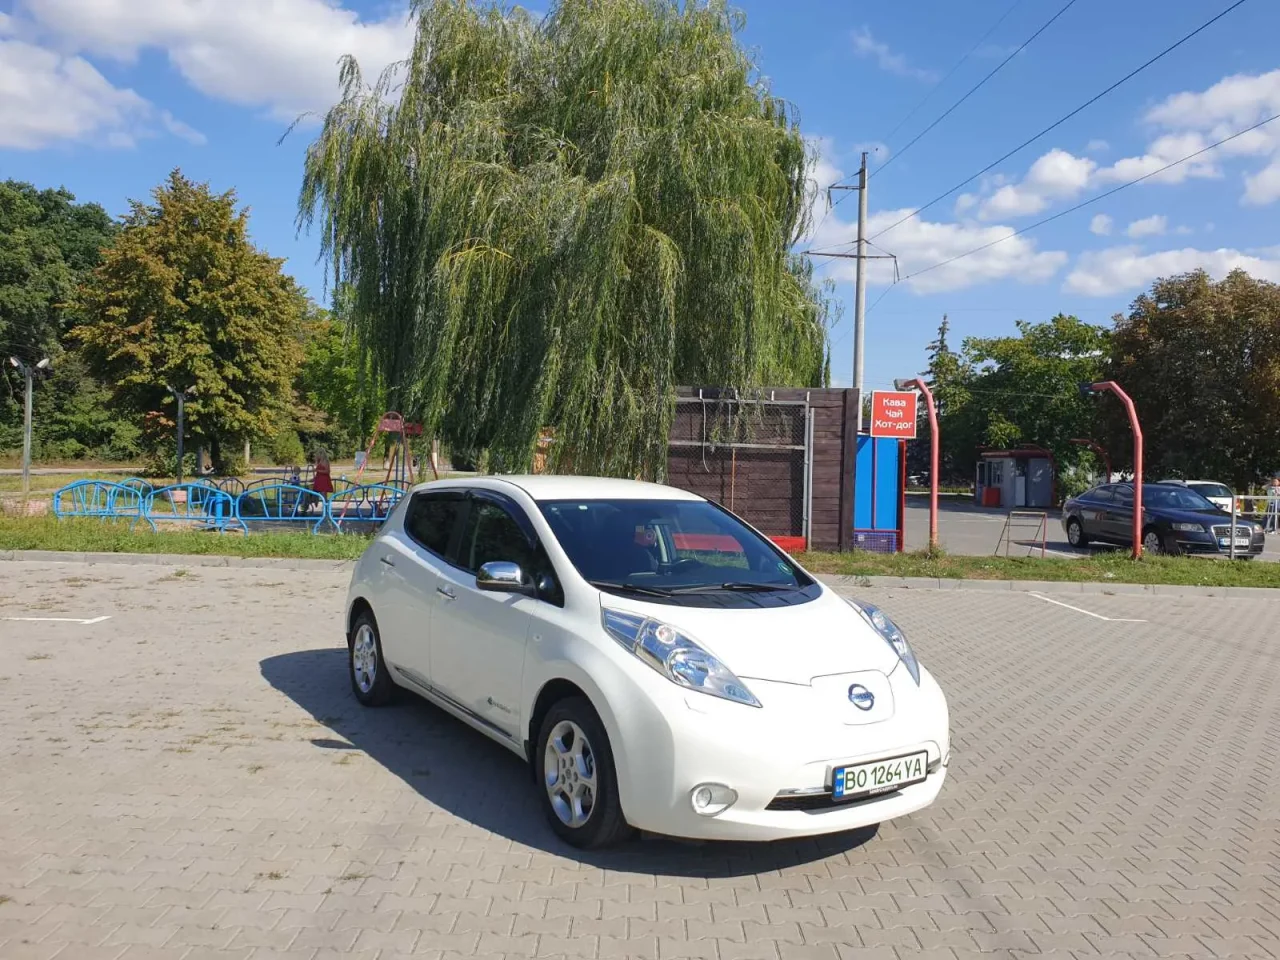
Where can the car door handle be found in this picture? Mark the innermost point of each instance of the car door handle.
(388, 561)
(447, 593)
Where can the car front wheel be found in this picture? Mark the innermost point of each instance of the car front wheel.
(1152, 542)
(578, 787)
(370, 681)
(1075, 533)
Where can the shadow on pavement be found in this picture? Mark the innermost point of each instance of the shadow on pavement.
(458, 770)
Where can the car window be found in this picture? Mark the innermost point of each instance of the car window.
(1124, 496)
(1101, 495)
(493, 534)
(431, 519)
(1174, 498)
(666, 545)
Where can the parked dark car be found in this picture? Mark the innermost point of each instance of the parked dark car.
(1176, 519)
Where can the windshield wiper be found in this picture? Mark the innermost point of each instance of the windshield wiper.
(631, 588)
(734, 585)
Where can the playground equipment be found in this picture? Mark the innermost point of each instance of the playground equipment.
(400, 469)
(211, 505)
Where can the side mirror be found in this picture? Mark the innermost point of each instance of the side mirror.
(501, 576)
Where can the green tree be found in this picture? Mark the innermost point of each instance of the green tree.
(1201, 360)
(947, 377)
(334, 382)
(48, 244)
(1023, 390)
(555, 222)
(184, 299)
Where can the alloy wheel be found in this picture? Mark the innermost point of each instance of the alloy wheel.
(569, 765)
(364, 658)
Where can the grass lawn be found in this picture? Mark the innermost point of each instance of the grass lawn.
(91, 536)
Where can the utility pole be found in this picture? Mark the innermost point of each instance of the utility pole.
(860, 287)
(181, 397)
(29, 375)
(860, 282)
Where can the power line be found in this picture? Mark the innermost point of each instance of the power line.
(1092, 200)
(976, 87)
(937, 86)
(1057, 123)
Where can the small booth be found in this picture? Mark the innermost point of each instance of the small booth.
(1015, 478)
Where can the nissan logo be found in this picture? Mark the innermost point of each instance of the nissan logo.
(861, 697)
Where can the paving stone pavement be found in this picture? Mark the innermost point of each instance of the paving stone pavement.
(192, 778)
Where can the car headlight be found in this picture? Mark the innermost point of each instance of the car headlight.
(676, 656)
(1189, 527)
(891, 633)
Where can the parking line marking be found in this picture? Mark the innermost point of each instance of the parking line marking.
(57, 620)
(1087, 613)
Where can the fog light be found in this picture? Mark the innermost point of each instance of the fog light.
(711, 799)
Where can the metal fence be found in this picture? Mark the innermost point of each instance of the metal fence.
(752, 455)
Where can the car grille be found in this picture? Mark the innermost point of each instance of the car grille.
(1224, 530)
(817, 802)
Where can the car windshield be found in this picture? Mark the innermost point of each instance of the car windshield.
(1174, 498)
(1210, 489)
(668, 548)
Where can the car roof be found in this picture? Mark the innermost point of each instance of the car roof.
(542, 487)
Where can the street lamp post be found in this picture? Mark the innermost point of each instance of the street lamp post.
(181, 396)
(29, 373)
(919, 384)
(1110, 386)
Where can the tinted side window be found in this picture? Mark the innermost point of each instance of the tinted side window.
(492, 534)
(431, 520)
(1124, 496)
(1100, 495)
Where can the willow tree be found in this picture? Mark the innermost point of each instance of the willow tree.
(554, 222)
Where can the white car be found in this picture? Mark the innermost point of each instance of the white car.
(660, 664)
(1219, 494)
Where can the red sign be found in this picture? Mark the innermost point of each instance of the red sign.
(893, 414)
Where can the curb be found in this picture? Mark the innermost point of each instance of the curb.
(173, 559)
(842, 584)
(847, 584)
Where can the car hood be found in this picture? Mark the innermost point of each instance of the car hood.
(792, 644)
(1196, 516)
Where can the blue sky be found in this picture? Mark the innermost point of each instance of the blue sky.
(106, 96)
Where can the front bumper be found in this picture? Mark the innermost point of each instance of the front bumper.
(1211, 543)
(778, 759)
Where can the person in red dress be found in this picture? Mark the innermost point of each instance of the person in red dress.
(322, 481)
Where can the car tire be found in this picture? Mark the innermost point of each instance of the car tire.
(573, 763)
(1075, 533)
(1152, 542)
(370, 680)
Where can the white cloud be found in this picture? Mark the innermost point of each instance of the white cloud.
(182, 130)
(1101, 225)
(1104, 273)
(277, 54)
(1097, 146)
(46, 98)
(919, 244)
(6, 25)
(1055, 175)
(868, 47)
(1153, 226)
(1239, 101)
(1263, 187)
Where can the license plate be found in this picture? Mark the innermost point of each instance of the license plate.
(878, 776)
(1240, 542)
